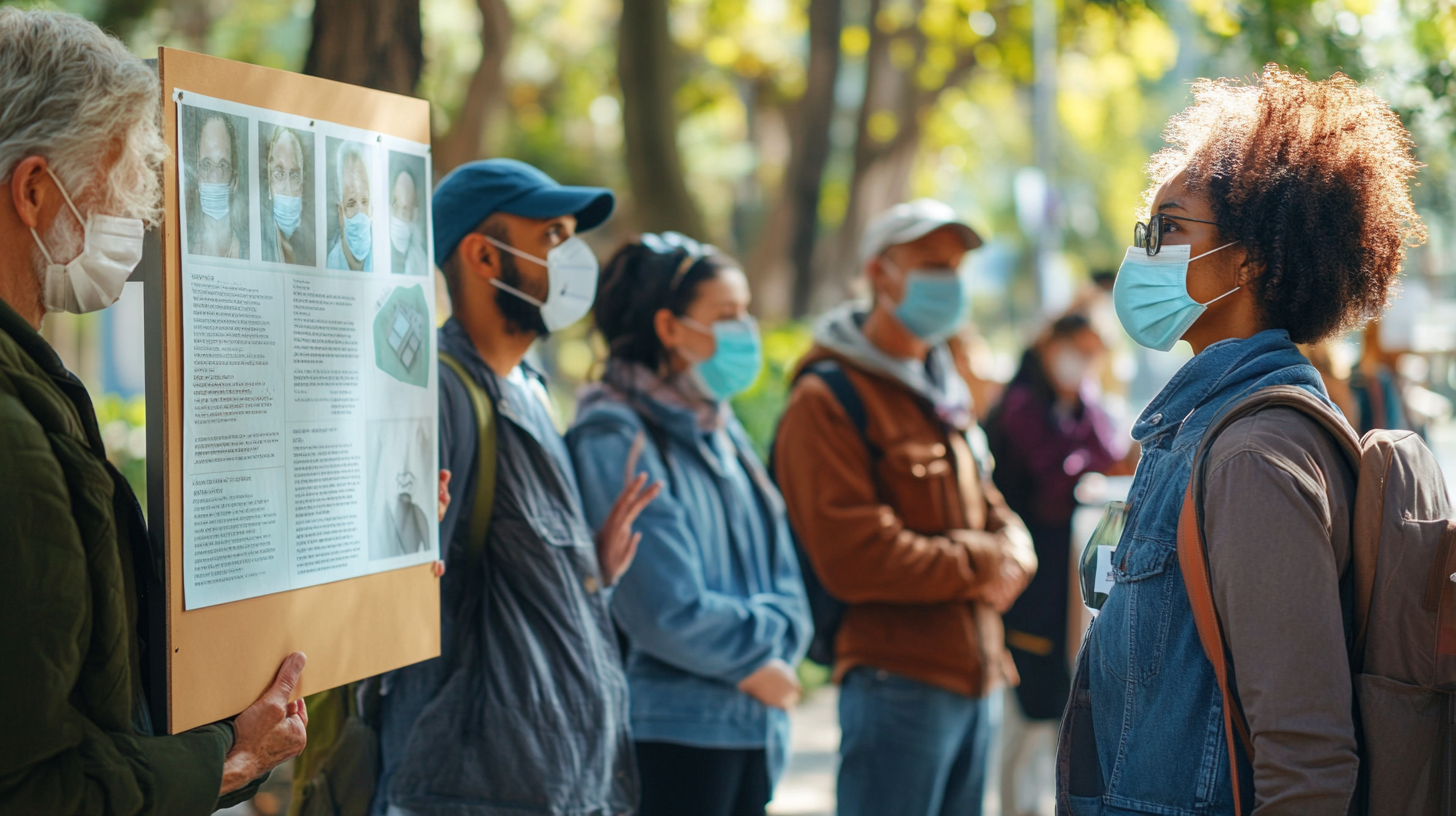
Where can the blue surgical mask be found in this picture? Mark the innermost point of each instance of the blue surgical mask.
(736, 361)
(216, 199)
(1151, 295)
(935, 303)
(359, 232)
(286, 212)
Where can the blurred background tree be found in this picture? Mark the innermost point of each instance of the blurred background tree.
(775, 128)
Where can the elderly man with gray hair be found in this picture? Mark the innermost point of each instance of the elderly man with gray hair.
(354, 247)
(80, 160)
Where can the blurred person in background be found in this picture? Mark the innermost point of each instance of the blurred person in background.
(1376, 384)
(1047, 433)
(1335, 377)
(975, 363)
(713, 608)
(888, 486)
(81, 155)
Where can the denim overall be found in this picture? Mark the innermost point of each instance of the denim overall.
(1155, 705)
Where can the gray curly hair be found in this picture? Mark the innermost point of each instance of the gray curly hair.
(75, 96)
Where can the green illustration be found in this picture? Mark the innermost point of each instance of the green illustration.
(402, 337)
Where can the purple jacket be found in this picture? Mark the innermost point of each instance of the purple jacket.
(1042, 452)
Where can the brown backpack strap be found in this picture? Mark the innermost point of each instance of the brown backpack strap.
(1193, 555)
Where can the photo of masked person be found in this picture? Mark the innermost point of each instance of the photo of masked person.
(286, 205)
(350, 205)
(215, 161)
(407, 199)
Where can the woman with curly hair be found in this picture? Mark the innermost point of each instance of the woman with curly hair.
(1280, 214)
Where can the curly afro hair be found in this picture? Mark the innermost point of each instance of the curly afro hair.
(1313, 178)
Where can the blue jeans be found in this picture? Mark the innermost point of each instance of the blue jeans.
(910, 749)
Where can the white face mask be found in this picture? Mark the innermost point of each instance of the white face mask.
(1068, 369)
(571, 271)
(94, 279)
(399, 234)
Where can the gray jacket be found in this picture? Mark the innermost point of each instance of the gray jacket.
(525, 712)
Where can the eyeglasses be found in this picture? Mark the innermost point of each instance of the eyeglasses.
(291, 177)
(1149, 236)
(212, 169)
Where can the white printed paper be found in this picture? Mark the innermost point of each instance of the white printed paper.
(309, 419)
(1103, 581)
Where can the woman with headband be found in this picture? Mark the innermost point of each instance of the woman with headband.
(713, 608)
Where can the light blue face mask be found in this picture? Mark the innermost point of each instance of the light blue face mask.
(359, 232)
(736, 361)
(935, 305)
(1151, 295)
(216, 199)
(286, 212)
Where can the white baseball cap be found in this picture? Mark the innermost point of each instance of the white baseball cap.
(910, 221)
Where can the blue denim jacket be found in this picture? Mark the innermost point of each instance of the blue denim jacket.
(1156, 710)
(715, 590)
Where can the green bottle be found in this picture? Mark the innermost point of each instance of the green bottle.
(1096, 565)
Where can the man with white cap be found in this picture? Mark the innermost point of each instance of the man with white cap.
(912, 554)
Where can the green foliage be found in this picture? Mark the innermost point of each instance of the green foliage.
(760, 407)
(123, 424)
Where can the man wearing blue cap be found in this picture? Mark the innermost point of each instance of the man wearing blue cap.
(525, 712)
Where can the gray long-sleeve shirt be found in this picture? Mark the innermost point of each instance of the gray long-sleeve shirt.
(1279, 498)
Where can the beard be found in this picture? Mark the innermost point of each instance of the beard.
(521, 317)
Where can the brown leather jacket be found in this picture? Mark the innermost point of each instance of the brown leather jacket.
(910, 536)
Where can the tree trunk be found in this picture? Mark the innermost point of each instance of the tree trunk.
(647, 75)
(882, 168)
(811, 146)
(466, 139)
(374, 43)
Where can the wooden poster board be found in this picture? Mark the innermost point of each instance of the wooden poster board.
(219, 659)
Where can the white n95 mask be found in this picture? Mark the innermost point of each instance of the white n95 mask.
(1151, 295)
(571, 271)
(94, 279)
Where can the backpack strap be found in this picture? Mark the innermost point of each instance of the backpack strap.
(1193, 555)
(833, 375)
(485, 464)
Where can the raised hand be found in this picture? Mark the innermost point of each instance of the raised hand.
(616, 543)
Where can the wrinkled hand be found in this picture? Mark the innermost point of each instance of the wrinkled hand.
(269, 732)
(1008, 586)
(616, 543)
(774, 684)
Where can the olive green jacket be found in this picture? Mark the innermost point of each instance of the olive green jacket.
(74, 722)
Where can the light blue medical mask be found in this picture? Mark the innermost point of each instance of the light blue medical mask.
(1151, 295)
(286, 212)
(216, 199)
(736, 361)
(359, 232)
(935, 305)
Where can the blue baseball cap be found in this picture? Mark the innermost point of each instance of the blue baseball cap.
(475, 191)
